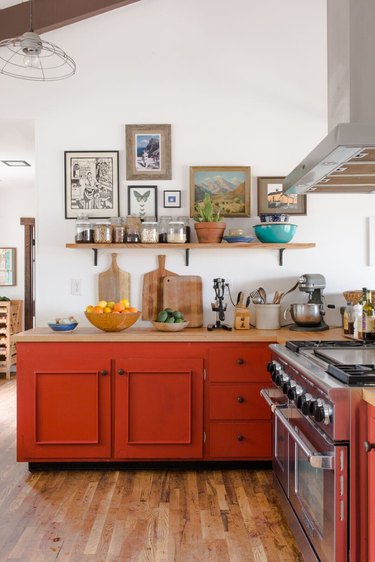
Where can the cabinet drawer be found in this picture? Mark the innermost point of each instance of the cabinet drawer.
(238, 401)
(240, 440)
(239, 363)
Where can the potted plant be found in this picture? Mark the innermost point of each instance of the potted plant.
(208, 226)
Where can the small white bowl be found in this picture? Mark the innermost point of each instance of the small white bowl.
(170, 326)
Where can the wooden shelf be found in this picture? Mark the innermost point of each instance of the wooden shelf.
(10, 324)
(187, 247)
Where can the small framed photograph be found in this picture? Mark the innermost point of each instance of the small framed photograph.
(8, 266)
(92, 184)
(148, 152)
(229, 187)
(271, 198)
(143, 201)
(172, 199)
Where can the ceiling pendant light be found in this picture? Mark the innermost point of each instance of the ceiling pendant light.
(31, 58)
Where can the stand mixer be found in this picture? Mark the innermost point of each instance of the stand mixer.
(219, 306)
(309, 317)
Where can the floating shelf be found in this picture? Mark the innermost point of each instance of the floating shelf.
(187, 247)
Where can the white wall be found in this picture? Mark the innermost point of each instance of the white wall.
(241, 83)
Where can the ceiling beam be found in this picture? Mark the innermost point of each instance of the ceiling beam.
(52, 14)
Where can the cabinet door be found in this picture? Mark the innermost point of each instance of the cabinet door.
(159, 408)
(371, 486)
(63, 407)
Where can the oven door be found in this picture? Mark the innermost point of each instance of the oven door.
(317, 485)
(280, 441)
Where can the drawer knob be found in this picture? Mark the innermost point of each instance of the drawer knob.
(103, 373)
(121, 372)
(368, 446)
(240, 437)
(240, 361)
(240, 399)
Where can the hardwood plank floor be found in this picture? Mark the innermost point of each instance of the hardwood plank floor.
(137, 515)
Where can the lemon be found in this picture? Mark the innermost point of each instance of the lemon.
(102, 304)
(125, 302)
(107, 309)
(89, 308)
(110, 304)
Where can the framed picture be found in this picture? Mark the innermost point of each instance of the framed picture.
(92, 184)
(7, 266)
(229, 187)
(271, 198)
(148, 152)
(143, 201)
(172, 199)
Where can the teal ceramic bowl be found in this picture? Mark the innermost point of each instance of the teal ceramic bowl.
(275, 233)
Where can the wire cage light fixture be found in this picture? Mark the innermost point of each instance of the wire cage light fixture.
(29, 57)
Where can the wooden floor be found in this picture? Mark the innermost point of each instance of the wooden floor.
(134, 516)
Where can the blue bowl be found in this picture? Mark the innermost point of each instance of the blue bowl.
(275, 233)
(234, 239)
(62, 327)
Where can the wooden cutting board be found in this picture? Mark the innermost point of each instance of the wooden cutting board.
(184, 293)
(114, 283)
(152, 294)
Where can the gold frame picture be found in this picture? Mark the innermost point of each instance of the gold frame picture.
(272, 200)
(148, 152)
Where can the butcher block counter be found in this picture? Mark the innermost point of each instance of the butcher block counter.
(95, 397)
(89, 334)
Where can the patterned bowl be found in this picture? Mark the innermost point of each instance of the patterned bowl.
(62, 327)
(170, 326)
(112, 322)
(273, 217)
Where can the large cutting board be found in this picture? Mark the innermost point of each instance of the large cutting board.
(114, 283)
(152, 295)
(184, 293)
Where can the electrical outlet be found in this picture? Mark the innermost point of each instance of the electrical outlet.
(76, 286)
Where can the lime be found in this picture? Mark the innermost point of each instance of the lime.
(162, 316)
(170, 320)
(177, 314)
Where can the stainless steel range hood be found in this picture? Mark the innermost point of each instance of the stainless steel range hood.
(344, 161)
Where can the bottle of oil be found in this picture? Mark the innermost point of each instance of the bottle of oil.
(349, 319)
(368, 318)
(361, 302)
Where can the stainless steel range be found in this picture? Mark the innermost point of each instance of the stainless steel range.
(317, 443)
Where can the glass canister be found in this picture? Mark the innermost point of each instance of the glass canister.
(149, 232)
(163, 228)
(84, 229)
(186, 221)
(132, 230)
(118, 231)
(176, 232)
(103, 232)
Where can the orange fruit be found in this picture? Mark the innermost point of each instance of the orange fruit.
(97, 309)
(118, 307)
(131, 309)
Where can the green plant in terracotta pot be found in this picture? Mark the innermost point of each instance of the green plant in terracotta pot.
(208, 226)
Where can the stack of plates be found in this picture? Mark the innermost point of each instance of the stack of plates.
(243, 239)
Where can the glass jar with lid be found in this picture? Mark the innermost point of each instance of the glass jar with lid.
(149, 232)
(84, 229)
(103, 232)
(163, 228)
(118, 230)
(186, 221)
(132, 229)
(176, 232)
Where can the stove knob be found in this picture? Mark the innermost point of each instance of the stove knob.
(276, 371)
(327, 413)
(286, 384)
(300, 399)
(312, 404)
(305, 403)
(279, 377)
(319, 410)
(295, 392)
(271, 366)
(290, 392)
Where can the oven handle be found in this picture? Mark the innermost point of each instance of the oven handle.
(324, 462)
(266, 393)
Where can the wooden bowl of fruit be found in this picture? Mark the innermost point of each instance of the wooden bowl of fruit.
(169, 320)
(112, 317)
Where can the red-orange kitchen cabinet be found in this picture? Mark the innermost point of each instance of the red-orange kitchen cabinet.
(371, 485)
(159, 408)
(63, 403)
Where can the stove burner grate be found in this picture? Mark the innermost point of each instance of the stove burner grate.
(361, 375)
(296, 345)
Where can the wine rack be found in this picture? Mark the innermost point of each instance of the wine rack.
(10, 323)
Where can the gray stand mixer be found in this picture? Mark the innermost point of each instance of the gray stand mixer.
(309, 316)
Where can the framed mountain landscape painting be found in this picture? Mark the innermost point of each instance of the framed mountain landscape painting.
(228, 186)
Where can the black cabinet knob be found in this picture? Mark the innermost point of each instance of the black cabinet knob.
(240, 399)
(103, 373)
(368, 446)
(121, 372)
(240, 437)
(240, 361)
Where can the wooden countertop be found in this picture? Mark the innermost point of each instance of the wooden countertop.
(89, 334)
(368, 396)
